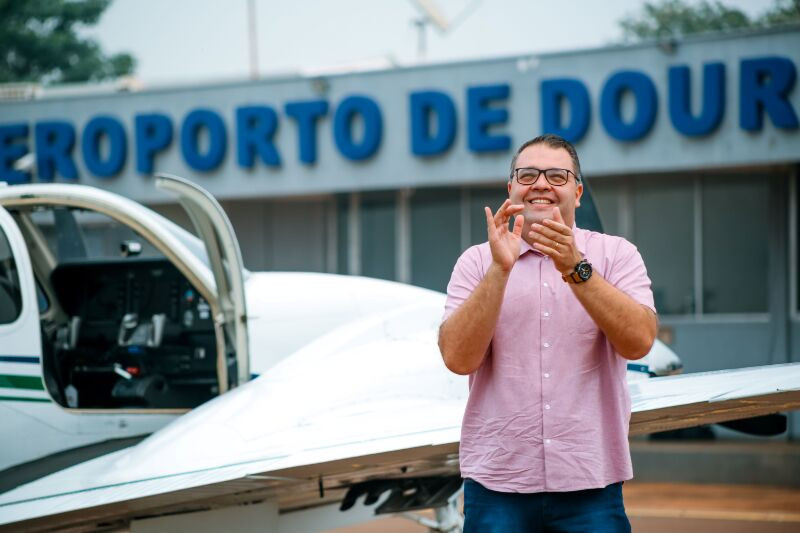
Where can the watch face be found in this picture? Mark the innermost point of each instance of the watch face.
(584, 270)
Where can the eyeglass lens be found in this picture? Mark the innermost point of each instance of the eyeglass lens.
(554, 176)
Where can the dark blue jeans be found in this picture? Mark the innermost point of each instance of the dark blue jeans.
(590, 511)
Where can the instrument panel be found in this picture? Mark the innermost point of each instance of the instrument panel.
(104, 292)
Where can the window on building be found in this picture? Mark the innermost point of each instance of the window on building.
(663, 230)
(435, 236)
(796, 236)
(735, 244)
(480, 197)
(672, 219)
(342, 236)
(10, 293)
(282, 235)
(377, 214)
(608, 200)
(586, 213)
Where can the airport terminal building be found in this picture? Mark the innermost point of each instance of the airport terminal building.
(691, 150)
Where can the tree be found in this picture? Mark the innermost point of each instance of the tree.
(672, 19)
(783, 12)
(39, 42)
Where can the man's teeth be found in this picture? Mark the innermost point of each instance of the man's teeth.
(541, 201)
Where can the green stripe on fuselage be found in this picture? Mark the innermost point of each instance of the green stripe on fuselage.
(21, 382)
(22, 399)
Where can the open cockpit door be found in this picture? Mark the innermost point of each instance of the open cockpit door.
(215, 230)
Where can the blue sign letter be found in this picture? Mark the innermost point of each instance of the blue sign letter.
(190, 142)
(117, 146)
(255, 127)
(10, 152)
(343, 127)
(680, 99)
(54, 143)
(428, 106)
(480, 117)
(153, 134)
(306, 115)
(644, 93)
(764, 85)
(554, 92)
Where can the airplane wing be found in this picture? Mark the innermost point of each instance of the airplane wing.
(370, 401)
(688, 400)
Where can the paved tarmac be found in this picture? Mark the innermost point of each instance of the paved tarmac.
(684, 507)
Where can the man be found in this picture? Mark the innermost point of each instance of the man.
(542, 318)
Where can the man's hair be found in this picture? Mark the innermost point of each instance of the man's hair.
(553, 141)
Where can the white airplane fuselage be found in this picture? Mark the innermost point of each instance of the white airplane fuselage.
(286, 311)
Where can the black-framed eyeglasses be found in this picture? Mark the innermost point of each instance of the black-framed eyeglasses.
(554, 176)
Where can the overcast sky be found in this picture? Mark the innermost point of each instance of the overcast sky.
(193, 40)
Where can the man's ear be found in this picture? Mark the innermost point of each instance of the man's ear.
(509, 188)
(578, 194)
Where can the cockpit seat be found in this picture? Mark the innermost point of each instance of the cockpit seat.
(148, 391)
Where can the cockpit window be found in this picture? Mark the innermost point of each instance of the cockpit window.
(76, 235)
(191, 241)
(10, 294)
(41, 298)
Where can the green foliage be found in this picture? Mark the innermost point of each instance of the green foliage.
(783, 12)
(39, 42)
(675, 18)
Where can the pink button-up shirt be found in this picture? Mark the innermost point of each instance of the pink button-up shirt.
(548, 408)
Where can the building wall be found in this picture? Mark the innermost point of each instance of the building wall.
(617, 104)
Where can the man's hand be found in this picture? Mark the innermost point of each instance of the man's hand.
(629, 326)
(504, 243)
(554, 239)
(464, 338)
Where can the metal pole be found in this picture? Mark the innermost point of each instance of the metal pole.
(252, 38)
(421, 25)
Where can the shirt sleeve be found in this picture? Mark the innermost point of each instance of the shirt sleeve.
(629, 274)
(466, 275)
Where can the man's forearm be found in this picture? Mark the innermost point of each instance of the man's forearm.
(628, 325)
(465, 336)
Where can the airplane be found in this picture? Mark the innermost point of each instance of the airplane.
(154, 378)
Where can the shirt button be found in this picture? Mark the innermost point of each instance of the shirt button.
(545, 284)
(547, 374)
(547, 441)
(547, 345)
(547, 406)
(546, 313)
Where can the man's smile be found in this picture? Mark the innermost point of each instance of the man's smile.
(540, 200)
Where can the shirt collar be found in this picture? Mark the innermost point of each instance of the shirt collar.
(580, 239)
(525, 247)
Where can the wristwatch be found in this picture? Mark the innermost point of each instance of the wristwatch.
(582, 272)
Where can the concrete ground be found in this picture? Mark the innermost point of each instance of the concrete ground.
(684, 507)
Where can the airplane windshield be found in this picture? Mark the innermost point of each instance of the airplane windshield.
(80, 235)
(76, 234)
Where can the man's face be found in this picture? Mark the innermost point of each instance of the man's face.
(540, 198)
